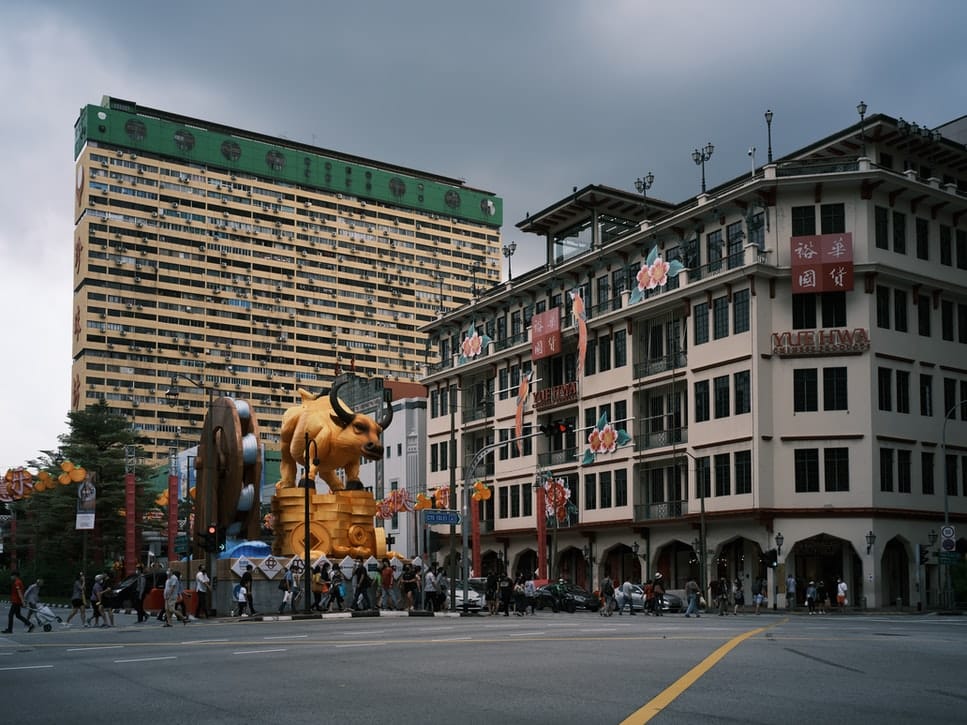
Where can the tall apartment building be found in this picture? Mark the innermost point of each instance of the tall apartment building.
(254, 265)
(796, 395)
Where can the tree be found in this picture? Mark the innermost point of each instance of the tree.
(47, 537)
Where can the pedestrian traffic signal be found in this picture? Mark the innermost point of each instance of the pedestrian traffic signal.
(558, 427)
(924, 554)
(220, 541)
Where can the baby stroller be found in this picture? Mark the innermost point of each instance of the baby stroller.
(45, 617)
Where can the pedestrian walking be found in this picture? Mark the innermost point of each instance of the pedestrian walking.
(246, 583)
(822, 597)
(140, 592)
(607, 597)
(790, 592)
(78, 600)
(16, 603)
(241, 600)
(723, 588)
(430, 589)
(691, 594)
(337, 589)
(626, 591)
(811, 597)
(100, 601)
(387, 582)
(658, 588)
(172, 587)
(841, 595)
(410, 584)
(519, 599)
(738, 596)
(505, 588)
(530, 595)
(202, 590)
(286, 585)
(32, 601)
(490, 592)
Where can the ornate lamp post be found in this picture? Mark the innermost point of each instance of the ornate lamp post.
(509, 250)
(643, 184)
(768, 115)
(700, 157)
(861, 109)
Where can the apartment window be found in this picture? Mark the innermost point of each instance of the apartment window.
(949, 395)
(621, 487)
(947, 320)
(899, 232)
(926, 472)
(836, 469)
(807, 470)
(926, 395)
(835, 389)
(503, 503)
(923, 238)
(604, 353)
(884, 387)
(516, 324)
(886, 469)
(703, 477)
(740, 311)
(883, 307)
(604, 487)
(950, 474)
(720, 317)
(702, 411)
(503, 451)
(713, 249)
(434, 458)
(961, 323)
(804, 388)
(902, 391)
(743, 472)
(923, 315)
(503, 384)
(620, 412)
(527, 501)
(832, 218)
(721, 388)
(834, 309)
(444, 402)
(434, 403)
(723, 475)
(803, 221)
(734, 236)
(903, 477)
(620, 348)
(701, 323)
(899, 310)
(963, 400)
(961, 246)
(743, 392)
(444, 456)
(591, 357)
(804, 312)
(881, 225)
(946, 248)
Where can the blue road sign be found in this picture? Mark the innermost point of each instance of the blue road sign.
(441, 516)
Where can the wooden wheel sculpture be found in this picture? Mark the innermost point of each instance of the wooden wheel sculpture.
(228, 481)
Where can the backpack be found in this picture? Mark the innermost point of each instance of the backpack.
(608, 588)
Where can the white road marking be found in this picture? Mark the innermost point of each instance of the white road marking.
(26, 667)
(452, 639)
(205, 641)
(147, 659)
(91, 649)
(360, 644)
(355, 632)
(288, 636)
(257, 651)
(524, 634)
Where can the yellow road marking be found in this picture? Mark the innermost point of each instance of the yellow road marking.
(669, 694)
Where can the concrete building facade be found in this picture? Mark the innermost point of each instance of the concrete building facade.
(253, 266)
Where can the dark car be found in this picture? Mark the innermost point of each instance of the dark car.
(124, 593)
(569, 597)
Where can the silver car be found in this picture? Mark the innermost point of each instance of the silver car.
(670, 602)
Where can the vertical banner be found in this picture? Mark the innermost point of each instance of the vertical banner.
(475, 534)
(541, 534)
(173, 512)
(86, 500)
(130, 532)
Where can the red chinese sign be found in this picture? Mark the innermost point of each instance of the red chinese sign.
(822, 263)
(545, 334)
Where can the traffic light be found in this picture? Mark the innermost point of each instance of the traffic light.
(558, 427)
(771, 558)
(924, 554)
(220, 541)
(211, 538)
(547, 429)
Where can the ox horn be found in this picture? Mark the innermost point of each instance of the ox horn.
(388, 414)
(344, 415)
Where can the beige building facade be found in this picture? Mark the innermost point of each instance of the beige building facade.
(215, 260)
(793, 402)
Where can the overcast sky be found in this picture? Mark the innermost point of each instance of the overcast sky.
(524, 99)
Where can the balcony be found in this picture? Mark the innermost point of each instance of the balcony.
(603, 308)
(563, 457)
(510, 341)
(479, 412)
(661, 364)
(661, 439)
(663, 510)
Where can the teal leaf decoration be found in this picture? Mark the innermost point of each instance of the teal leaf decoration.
(588, 458)
(623, 437)
(652, 256)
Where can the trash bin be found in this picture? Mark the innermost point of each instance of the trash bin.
(862, 602)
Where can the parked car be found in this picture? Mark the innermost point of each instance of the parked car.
(123, 594)
(475, 598)
(670, 602)
(569, 597)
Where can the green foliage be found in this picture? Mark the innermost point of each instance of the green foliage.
(48, 545)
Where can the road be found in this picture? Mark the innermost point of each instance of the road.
(549, 668)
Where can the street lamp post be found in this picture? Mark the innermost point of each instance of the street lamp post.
(775, 584)
(208, 439)
(861, 109)
(948, 584)
(768, 115)
(700, 157)
(509, 250)
(307, 483)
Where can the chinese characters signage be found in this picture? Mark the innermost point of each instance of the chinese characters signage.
(822, 263)
(546, 334)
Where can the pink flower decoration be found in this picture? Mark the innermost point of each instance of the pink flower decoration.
(472, 345)
(658, 273)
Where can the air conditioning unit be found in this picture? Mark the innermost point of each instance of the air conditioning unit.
(174, 205)
(137, 280)
(135, 403)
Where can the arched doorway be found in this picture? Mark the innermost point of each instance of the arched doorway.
(526, 564)
(824, 559)
(621, 564)
(678, 562)
(895, 567)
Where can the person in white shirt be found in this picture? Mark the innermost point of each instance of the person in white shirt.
(202, 589)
